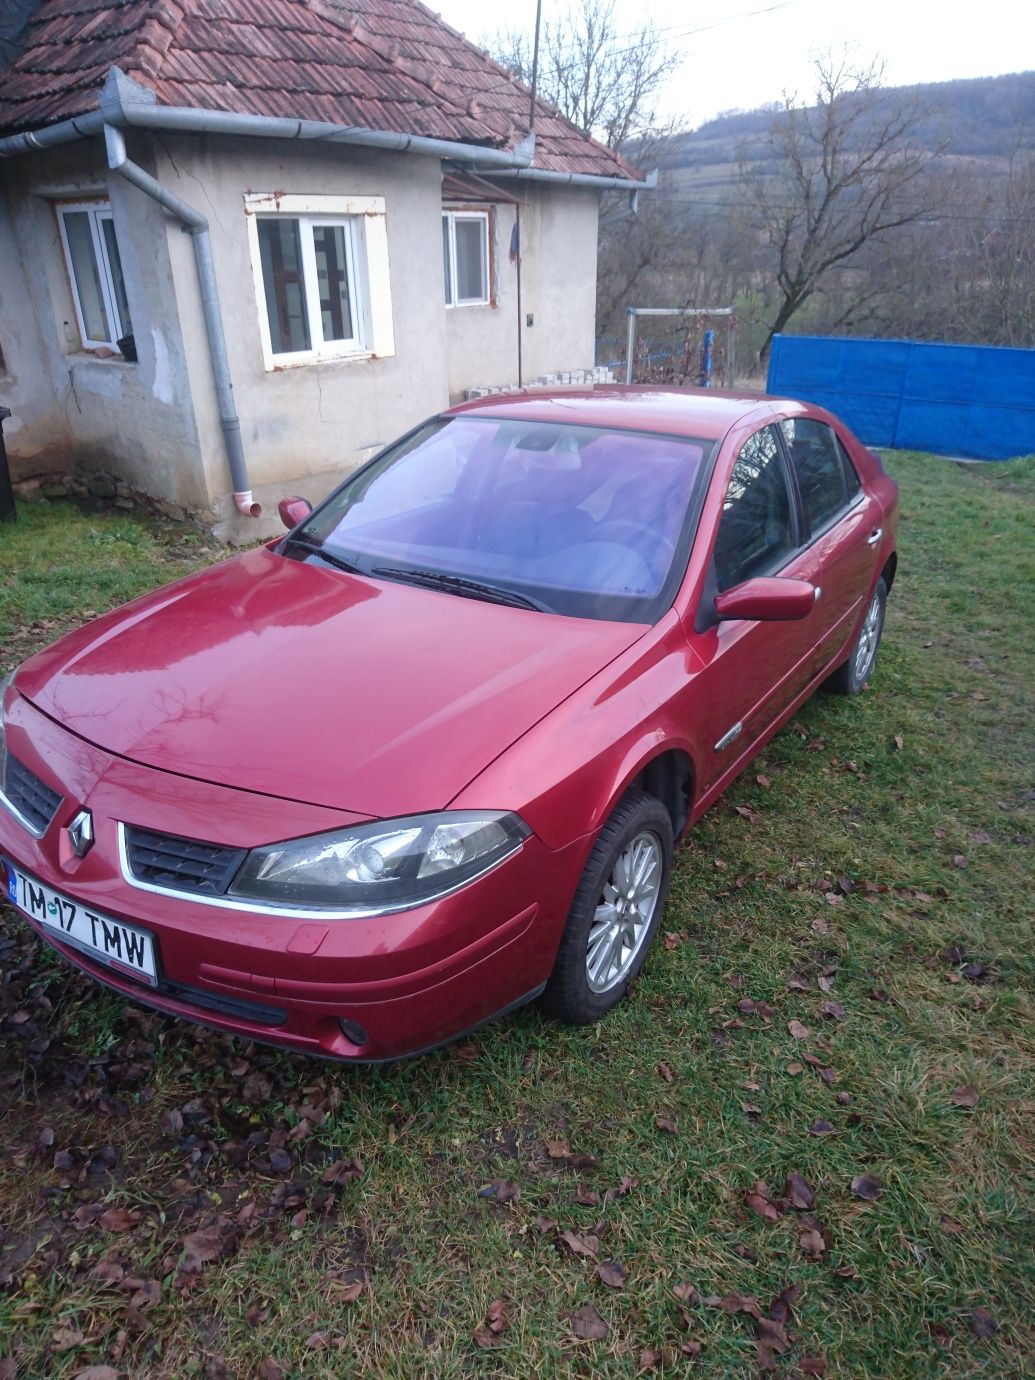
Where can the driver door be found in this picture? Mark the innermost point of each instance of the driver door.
(753, 670)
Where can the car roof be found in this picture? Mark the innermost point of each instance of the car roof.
(705, 413)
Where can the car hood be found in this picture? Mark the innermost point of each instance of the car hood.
(295, 680)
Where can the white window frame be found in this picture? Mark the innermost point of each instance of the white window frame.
(363, 220)
(97, 211)
(451, 217)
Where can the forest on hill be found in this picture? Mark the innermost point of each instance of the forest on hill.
(885, 211)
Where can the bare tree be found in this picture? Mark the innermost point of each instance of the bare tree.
(838, 175)
(604, 81)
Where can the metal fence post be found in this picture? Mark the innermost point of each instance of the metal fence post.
(630, 343)
(8, 512)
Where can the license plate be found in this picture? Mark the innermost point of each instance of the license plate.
(111, 942)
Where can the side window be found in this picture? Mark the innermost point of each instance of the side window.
(852, 478)
(465, 257)
(756, 530)
(816, 461)
(95, 272)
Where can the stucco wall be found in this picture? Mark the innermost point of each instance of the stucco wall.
(303, 427)
(71, 407)
(306, 426)
(558, 290)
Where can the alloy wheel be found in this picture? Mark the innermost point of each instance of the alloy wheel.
(624, 912)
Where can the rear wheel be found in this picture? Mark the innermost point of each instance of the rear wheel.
(615, 912)
(850, 678)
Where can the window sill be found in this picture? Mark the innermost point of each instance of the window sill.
(277, 364)
(89, 357)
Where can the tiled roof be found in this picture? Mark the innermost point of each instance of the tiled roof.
(381, 64)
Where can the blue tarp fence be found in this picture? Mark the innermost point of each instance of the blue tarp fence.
(974, 401)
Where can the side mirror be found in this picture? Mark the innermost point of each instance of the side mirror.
(293, 511)
(767, 600)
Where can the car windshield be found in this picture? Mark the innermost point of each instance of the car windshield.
(575, 520)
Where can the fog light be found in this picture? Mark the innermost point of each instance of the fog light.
(354, 1032)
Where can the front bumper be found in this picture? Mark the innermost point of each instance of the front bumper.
(400, 983)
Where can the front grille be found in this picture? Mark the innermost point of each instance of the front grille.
(31, 797)
(181, 864)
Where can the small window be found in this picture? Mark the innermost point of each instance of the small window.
(310, 280)
(756, 530)
(818, 467)
(95, 272)
(465, 257)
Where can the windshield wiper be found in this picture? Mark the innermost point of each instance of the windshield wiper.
(324, 555)
(456, 584)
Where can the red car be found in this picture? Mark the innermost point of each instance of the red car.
(425, 758)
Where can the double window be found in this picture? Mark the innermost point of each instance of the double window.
(95, 273)
(321, 272)
(465, 258)
(759, 529)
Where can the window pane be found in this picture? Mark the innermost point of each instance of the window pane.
(817, 466)
(332, 277)
(471, 261)
(281, 258)
(755, 529)
(87, 275)
(118, 282)
(447, 267)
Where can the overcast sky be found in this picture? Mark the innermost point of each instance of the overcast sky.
(745, 53)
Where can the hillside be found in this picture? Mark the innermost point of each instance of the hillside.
(983, 118)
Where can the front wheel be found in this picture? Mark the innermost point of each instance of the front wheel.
(615, 913)
(850, 678)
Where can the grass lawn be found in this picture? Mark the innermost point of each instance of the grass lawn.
(843, 994)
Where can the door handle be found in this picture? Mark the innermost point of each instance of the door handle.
(875, 536)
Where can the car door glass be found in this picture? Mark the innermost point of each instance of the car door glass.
(816, 462)
(756, 530)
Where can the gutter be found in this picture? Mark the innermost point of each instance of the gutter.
(195, 224)
(614, 184)
(124, 103)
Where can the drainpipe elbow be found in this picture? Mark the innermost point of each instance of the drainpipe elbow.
(244, 504)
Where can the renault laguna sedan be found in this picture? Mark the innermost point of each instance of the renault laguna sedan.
(425, 758)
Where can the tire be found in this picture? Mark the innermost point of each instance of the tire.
(585, 985)
(851, 677)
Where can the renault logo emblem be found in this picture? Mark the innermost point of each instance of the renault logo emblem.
(80, 833)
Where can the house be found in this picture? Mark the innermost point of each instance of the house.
(244, 243)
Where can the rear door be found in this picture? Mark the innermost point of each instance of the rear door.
(841, 538)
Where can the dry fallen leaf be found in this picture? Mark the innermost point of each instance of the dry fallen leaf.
(758, 1201)
(665, 1123)
(588, 1324)
(867, 1186)
(822, 1127)
(811, 1241)
(799, 1192)
(965, 1097)
(118, 1219)
(797, 1030)
(580, 1245)
(666, 1073)
(982, 1323)
(611, 1274)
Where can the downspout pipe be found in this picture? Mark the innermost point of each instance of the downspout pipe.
(195, 224)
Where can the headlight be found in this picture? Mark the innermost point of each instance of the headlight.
(392, 865)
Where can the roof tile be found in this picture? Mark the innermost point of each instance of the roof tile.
(382, 64)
